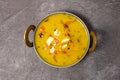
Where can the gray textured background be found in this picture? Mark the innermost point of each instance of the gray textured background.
(19, 62)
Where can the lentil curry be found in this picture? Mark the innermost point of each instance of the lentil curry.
(61, 39)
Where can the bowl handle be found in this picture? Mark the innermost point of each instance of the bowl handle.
(26, 39)
(94, 43)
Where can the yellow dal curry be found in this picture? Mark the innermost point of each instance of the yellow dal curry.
(61, 39)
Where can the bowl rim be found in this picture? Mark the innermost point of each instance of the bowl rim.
(85, 27)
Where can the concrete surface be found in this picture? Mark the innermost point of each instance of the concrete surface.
(19, 62)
